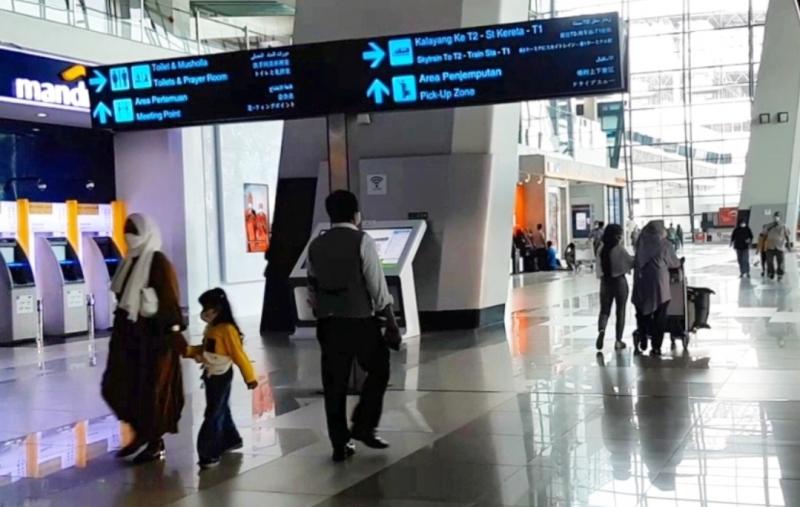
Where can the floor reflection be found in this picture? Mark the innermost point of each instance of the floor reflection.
(526, 414)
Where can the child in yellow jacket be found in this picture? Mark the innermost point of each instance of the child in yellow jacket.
(221, 349)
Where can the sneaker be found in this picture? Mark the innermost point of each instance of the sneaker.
(206, 463)
(619, 345)
(155, 451)
(599, 343)
(655, 352)
(130, 450)
(342, 453)
(371, 440)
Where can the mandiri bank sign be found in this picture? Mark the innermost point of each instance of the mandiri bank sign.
(33, 79)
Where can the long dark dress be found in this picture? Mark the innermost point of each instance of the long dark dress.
(142, 383)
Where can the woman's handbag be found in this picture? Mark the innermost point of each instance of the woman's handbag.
(149, 305)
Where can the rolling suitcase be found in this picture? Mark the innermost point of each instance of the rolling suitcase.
(688, 309)
(679, 309)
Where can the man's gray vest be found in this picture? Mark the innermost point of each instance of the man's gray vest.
(335, 257)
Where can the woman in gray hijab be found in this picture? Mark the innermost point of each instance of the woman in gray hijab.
(655, 256)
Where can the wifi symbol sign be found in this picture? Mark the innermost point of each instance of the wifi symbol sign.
(378, 184)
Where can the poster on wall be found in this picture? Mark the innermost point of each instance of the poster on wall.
(581, 220)
(256, 217)
(727, 217)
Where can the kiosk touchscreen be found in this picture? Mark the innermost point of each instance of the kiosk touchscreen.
(101, 258)
(397, 244)
(59, 275)
(17, 294)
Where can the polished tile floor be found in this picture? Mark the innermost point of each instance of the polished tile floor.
(521, 414)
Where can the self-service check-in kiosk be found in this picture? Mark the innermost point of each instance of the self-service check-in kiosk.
(18, 319)
(62, 287)
(397, 244)
(101, 258)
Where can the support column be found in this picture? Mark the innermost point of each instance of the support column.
(773, 159)
(343, 159)
(459, 166)
(24, 224)
(73, 234)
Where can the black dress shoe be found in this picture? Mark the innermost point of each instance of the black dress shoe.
(341, 453)
(155, 451)
(371, 440)
(130, 450)
(600, 338)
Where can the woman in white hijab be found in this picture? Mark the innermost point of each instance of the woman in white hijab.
(142, 383)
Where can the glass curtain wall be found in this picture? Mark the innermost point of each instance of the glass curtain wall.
(693, 68)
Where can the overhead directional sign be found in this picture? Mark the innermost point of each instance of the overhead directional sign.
(539, 59)
(98, 81)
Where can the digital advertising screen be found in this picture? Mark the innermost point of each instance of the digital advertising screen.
(538, 59)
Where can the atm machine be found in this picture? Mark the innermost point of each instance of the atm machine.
(17, 294)
(397, 243)
(101, 258)
(62, 287)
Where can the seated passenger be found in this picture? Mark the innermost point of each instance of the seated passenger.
(570, 257)
(553, 263)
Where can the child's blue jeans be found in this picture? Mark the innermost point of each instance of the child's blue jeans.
(218, 432)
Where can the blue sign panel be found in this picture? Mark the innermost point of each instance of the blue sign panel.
(27, 78)
(540, 59)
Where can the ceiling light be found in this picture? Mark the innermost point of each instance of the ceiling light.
(36, 129)
(41, 115)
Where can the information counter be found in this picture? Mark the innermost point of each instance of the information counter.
(397, 244)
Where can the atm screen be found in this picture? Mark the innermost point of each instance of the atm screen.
(18, 266)
(8, 254)
(391, 243)
(60, 252)
(110, 253)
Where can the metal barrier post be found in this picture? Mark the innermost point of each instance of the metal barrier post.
(39, 335)
(90, 322)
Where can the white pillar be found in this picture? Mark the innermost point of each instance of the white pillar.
(459, 165)
(773, 159)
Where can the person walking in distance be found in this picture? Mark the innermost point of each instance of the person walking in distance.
(615, 263)
(596, 236)
(777, 239)
(347, 288)
(741, 239)
(761, 248)
(539, 243)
